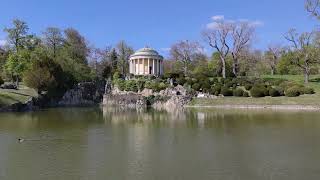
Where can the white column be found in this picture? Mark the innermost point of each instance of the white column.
(153, 67)
(140, 66)
(148, 66)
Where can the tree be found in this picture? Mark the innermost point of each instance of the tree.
(53, 39)
(185, 52)
(217, 38)
(303, 50)
(272, 57)
(76, 46)
(242, 34)
(17, 34)
(45, 74)
(17, 63)
(313, 7)
(114, 60)
(124, 53)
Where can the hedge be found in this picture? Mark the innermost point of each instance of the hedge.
(238, 92)
(258, 91)
(226, 91)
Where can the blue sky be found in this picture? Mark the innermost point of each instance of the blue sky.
(157, 23)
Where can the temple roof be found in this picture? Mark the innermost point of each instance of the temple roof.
(147, 52)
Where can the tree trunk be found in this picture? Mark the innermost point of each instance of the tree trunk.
(223, 67)
(306, 76)
(272, 71)
(235, 68)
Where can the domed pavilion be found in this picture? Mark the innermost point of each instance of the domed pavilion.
(146, 61)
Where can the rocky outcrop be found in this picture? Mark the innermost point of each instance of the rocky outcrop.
(130, 100)
(168, 99)
(84, 94)
(30, 105)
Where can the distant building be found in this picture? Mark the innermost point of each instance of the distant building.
(146, 61)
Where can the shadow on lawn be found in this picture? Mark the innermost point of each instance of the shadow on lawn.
(315, 80)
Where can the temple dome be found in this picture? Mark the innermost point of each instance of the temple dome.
(147, 52)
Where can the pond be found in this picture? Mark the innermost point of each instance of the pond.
(114, 143)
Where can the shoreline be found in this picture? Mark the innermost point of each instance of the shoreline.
(271, 107)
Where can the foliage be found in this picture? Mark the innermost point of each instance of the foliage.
(246, 94)
(293, 91)
(258, 91)
(238, 92)
(1, 80)
(131, 85)
(225, 91)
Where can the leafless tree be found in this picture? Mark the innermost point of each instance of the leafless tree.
(242, 34)
(217, 38)
(185, 52)
(303, 50)
(124, 52)
(313, 7)
(53, 39)
(272, 57)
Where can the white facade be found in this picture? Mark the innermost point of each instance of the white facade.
(146, 61)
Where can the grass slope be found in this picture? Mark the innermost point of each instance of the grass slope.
(9, 96)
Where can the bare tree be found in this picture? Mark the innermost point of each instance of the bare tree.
(124, 53)
(17, 34)
(272, 57)
(217, 38)
(303, 50)
(313, 7)
(242, 34)
(53, 39)
(185, 52)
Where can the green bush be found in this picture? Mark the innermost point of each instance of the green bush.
(181, 81)
(140, 84)
(308, 90)
(196, 86)
(274, 92)
(226, 91)
(1, 81)
(120, 83)
(238, 92)
(246, 94)
(293, 91)
(131, 85)
(258, 91)
(248, 86)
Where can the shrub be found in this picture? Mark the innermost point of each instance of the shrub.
(1, 80)
(140, 84)
(248, 86)
(196, 86)
(131, 85)
(257, 91)
(161, 86)
(245, 94)
(226, 91)
(181, 81)
(238, 92)
(120, 83)
(308, 90)
(293, 91)
(274, 92)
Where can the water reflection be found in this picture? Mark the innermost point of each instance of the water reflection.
(117, 143)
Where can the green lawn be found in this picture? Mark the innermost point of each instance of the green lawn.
(301, 100)
(9, 96)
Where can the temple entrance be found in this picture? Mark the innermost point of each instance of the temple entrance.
(150, 69)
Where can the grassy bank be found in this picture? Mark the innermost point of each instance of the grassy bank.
(313, 100)
(10, 96)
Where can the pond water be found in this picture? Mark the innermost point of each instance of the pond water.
(116, 144)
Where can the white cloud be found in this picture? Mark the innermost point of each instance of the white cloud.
(3, 42)
(217, 18)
